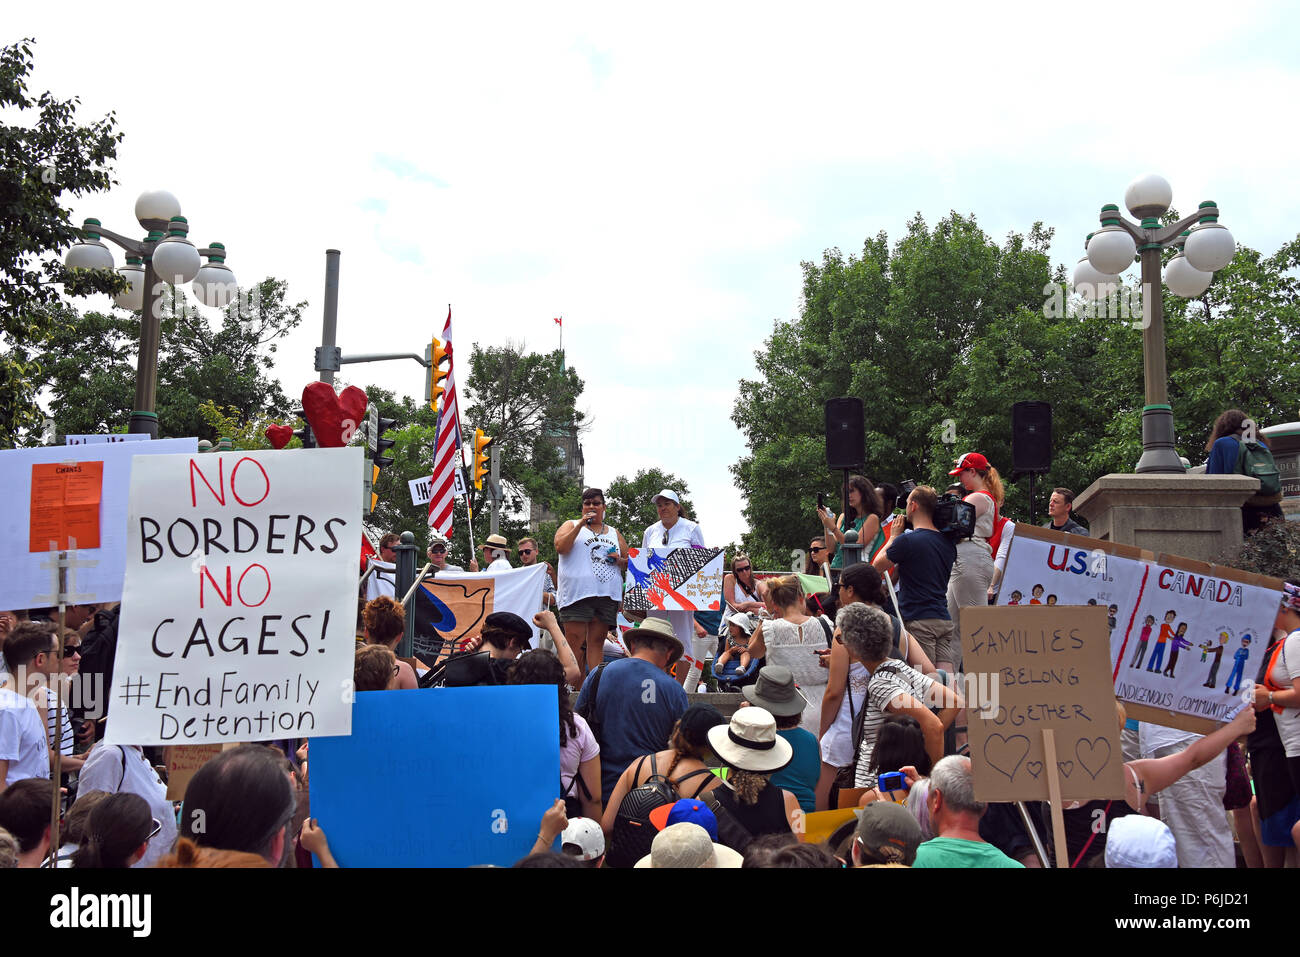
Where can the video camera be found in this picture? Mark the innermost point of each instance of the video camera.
(954, 518)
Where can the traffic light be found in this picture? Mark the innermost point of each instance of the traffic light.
(481, 443)
(376, 444)
(308, 440)
(435, 354)
(374, 496)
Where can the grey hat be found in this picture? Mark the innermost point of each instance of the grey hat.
(776, 692)
(887, 834)
(660, 629)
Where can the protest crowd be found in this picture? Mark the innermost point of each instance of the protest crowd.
(850, 744)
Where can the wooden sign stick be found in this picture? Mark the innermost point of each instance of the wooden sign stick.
(1054, 796)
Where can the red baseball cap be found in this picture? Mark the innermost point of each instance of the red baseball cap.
(971, 460)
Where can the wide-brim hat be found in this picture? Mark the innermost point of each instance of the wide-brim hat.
(497, 541)
(661, 629)
(688, 845)
(775, 692)
(971, 460)
(750, 742)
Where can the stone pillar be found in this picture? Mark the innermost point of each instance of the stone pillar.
(1196, 516)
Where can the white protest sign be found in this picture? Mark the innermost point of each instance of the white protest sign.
(26, 582)
(105, 439)
(422, 488)
(1186, 637)
(239, 605)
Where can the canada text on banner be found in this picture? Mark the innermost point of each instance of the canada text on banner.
(37, 504)
(1186, 637)
(452, 606)
(673, 579)
(239, 605)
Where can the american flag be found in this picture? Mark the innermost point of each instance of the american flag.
(446, 454)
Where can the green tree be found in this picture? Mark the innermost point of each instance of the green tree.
(526, 402)
(44, 156)
(89, 364)
(941, 335)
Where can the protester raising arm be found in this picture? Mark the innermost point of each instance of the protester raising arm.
(312, 839)
(572, 672)
(1149, 776)
(553, 824)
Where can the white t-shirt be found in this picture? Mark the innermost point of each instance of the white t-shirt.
(578, 748)
(890, 680)
(684, 533)
(1284, 673)
(500, 565)
(105, 770)
(22, 738)
(584, 572)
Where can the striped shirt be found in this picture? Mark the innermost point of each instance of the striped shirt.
(887, 683)
(65, 744)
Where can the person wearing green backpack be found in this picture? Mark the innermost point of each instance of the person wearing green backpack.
(1237, 447)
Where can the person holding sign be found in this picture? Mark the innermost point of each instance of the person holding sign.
(592, 557)
(675, 530)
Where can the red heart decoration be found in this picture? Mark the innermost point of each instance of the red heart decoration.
(279, 435)
(333, 418)
(713, 606)
(633, 552)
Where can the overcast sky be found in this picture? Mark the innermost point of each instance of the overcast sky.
(655, 173)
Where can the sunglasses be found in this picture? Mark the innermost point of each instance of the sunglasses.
(157, 828)
(818, 548)
(437, 549)
(745, 569)
(70, 650)
(526, 551)
(665, 541)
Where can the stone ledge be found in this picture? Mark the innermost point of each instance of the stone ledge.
(1183, 491)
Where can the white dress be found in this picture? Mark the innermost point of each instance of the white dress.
(795, 647)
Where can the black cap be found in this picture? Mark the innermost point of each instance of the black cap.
(696, 721)
(511, 624)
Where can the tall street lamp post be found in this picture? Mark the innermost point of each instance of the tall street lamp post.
(1206, 246)
(165, 257)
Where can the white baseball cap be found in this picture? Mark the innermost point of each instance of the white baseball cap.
(668, 494)
(1136, 840)
(586, 835)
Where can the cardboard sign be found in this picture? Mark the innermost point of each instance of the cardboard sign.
(473, 769)
(239, 604)
(30, 511)
(1048, 668)
(673, 579)
(182, 762)
(1186, 637)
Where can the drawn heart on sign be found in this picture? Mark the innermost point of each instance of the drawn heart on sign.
(279, 435)
(1006, 752)
(333, 418)
(1035, 768)
(633, 552)
(713, 606)
(1066, 767)
(1094, 753)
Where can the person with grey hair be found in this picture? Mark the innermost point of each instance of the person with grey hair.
(955, 817)
(894, 687)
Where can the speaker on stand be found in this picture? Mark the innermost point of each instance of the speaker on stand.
(846, 446)
(1031, 445)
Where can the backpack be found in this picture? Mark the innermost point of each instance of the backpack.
(588, 710)
(633, 833)
(1255, 460)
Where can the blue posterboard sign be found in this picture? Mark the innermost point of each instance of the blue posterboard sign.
(441, 777)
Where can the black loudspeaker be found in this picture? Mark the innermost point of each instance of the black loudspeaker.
(1031, 437)
(846, 440)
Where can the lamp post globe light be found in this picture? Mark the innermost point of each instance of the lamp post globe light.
(1206, 246)
(164, 257)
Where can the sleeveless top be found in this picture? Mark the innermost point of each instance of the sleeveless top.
(984, 523)
(738, 592)
(837, 742)
(792, 646)
(837, 560)
(584, 573)
(765, 816)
